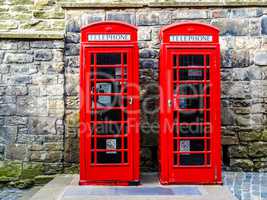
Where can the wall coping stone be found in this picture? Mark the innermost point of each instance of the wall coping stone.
(49, 35)
(101, 5)
(231, 3)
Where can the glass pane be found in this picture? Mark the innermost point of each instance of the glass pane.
(108, 157)
(109, 143)
(108, 87)
(108, 73)
(191, 60)
(193, 102)
(108, 58)
(109, 129)
(192, 131)
(110, 101)
(192, 159)
(109, 115)
(191, 145)
(193, 116)
(191, 89)
(193, 74)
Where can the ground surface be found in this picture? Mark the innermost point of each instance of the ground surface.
(245, 186)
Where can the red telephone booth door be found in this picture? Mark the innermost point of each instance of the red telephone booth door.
(109, 148)
(190, 76)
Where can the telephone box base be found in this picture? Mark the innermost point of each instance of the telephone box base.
(110, 183)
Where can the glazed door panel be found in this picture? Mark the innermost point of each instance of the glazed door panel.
(193, 117)
(109, 99)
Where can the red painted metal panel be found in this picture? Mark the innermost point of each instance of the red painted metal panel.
(189, 139)
(109, 104)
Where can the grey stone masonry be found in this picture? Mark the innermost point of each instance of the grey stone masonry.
(31, 107)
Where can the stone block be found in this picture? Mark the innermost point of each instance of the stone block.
(261, 58)
(10, 170)
(20, 2)
(43, 179)
(55, 90)
(44, 156)
(72, 62)
(247, 42)
(227, 114)
(264, 25)
(229, 140)
(242, 164)
(4, 69)
(148, 53)
(245, 12)
(236, 89)
(71, 153)
(257, 149)
(144, 33)
(72, 102)
(42, 125)
(233, 27)
(73, 26)
(16, 120)
(47, 44)
(146, 18)
(27, 105)
(90, 17)
(22, 184)
(250, 136)
(149, 63)
(43, 55)
(8, 25)
(238, 151)
(17, 152)
(72, 118)
(128, 17)
(190, 14)
(36, 25)
(54, 13)
(18, 90)
(7, 109)
(255, 73)
(8, 45)
(72, 49)
(18, 58)
(72, 38)
(220, 13)
(255, 27)
(72, 84)
(53, 168)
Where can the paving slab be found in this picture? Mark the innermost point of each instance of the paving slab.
(65, 187)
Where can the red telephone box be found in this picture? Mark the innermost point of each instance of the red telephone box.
(190, 148)
(109, 104)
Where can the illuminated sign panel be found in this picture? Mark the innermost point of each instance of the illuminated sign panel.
(109, 37)
(190, 38)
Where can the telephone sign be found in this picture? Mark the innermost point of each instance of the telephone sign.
(109, 104)
(189, 150)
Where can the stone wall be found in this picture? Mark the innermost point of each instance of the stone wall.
(31, 109)
(39, 82)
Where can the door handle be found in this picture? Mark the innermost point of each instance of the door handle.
(131, 100)
(169, 103)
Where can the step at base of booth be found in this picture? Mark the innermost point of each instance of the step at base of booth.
(110, 183)
(66, 187)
